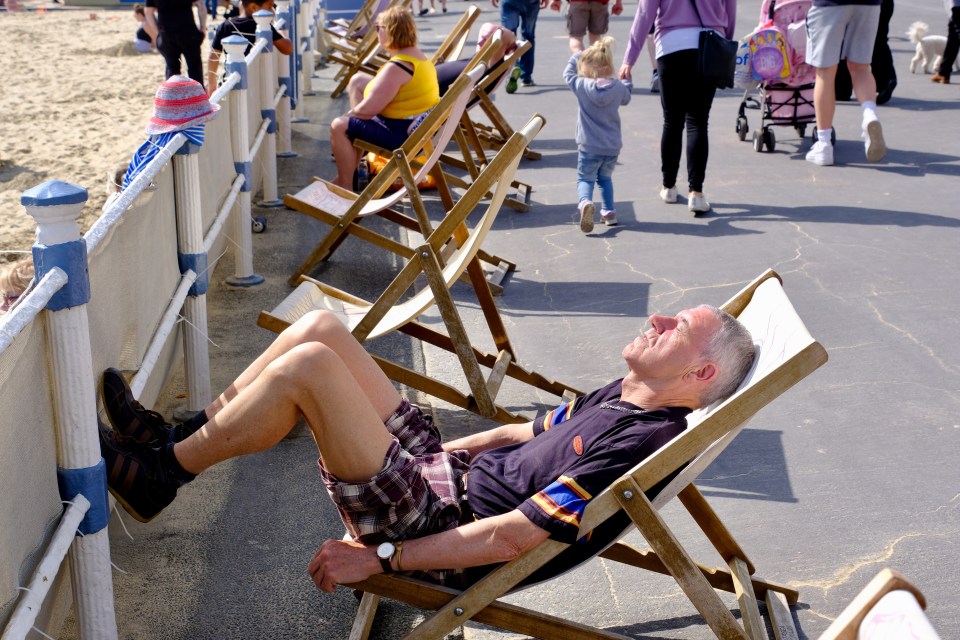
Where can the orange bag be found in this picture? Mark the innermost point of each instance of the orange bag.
(376, 163)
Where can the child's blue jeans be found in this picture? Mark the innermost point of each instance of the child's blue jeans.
(593, 168)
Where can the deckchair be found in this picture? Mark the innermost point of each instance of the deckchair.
(343, 210)
(472, 137)
(786, 354)
(494, 134)
(454, 42)
(391, 312)
(848, 624)
(362, 21)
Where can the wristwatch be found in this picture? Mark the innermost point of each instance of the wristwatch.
(385, 553)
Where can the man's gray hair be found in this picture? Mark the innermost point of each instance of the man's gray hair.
(732, 350)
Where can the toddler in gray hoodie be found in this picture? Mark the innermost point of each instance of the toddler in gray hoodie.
(590, 74)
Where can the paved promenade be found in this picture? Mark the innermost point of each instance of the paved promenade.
(853, 470)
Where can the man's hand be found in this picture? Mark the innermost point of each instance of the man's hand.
(342, 562)
(555, 5)
(495, 3)
(617, 8)
(625, 73)
(544, 3)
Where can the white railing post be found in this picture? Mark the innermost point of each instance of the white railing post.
(268, 89)
(243, 275)
(308, 26)
(56, 206)
(191, 256)
(284, 146)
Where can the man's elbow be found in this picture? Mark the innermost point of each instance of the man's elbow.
(513, 542)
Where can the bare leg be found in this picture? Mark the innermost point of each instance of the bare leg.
(345, 154)
(576, 44)
(320, 327)
(864, 84)
(825, 97)
(355, 87)
(310, 379)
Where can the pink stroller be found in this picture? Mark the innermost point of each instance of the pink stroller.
(786, 99)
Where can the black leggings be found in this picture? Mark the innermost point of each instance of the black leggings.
(185, 42)
(953, 43)
(686, 99)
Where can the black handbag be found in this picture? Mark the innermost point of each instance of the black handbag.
(716, 56)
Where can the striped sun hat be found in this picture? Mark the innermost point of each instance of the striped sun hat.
(180, 103)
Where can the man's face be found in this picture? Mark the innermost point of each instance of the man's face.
(672, 345)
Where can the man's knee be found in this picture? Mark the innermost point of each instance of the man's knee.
(295, 370)
(318, 326)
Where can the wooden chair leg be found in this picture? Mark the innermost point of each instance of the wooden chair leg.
(364, 619)
(780, 617)
(654, 530)
(749, 610)
(711, 525)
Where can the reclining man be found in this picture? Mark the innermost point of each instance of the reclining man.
(403, 496)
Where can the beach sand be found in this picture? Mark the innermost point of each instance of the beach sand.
(72, 107)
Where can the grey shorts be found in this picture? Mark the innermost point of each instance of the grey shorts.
(841, 32)
(587, 16)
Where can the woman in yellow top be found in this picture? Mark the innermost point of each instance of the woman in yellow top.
(388, 106)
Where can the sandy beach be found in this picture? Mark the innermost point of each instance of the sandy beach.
(73, 105)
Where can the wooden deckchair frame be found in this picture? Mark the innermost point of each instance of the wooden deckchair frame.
(388, 313)
(453, 44)
(847, 624)
(362, 21)
(470, 142)
(709, 432)
(429, 138)
(499, 130)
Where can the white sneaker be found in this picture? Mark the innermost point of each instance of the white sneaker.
(698, 204)
(608, 218)
(821, 153)
(586, 216)
(875, 147)
(668, 195)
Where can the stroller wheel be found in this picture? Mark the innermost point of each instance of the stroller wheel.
(758, 141)
(802, 131)
(742, 128)
(769, 140)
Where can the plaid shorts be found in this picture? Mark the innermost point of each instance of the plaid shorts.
(417, 492)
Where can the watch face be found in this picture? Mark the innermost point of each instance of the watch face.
(385, 550)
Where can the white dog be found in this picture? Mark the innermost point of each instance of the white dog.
(929, 48)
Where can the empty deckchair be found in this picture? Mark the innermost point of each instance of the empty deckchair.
(391, 312)
(890, 605)
(362, 21)
(786, 354)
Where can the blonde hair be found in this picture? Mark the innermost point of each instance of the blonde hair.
(401, 31)
(597, 60)
(15, 277)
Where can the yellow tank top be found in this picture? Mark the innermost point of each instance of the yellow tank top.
(420, 94)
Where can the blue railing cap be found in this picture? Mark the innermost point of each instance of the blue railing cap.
(53, 192)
